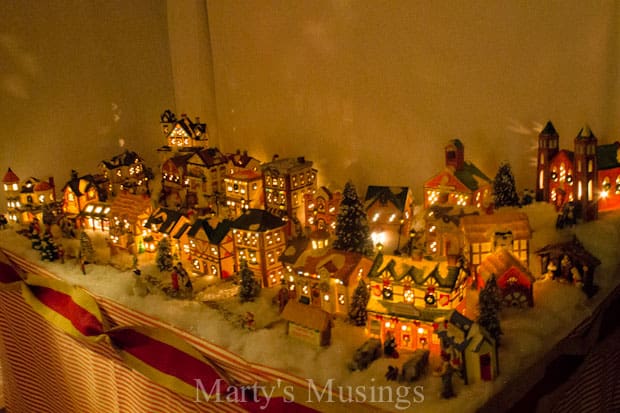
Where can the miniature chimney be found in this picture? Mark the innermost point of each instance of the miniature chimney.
(275, 157)
(301, 159)
(455, 155)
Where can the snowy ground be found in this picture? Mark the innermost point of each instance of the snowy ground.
(528, 333)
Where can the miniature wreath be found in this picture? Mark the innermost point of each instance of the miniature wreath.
(430, 299)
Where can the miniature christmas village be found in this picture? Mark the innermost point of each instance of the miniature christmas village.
(423, 290)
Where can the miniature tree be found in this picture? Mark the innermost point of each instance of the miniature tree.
(250, 287)
(489, 304)
(504, 188)
(87, 252)
(49, 250)
(164, 255)
(352, 230)
(357, 310)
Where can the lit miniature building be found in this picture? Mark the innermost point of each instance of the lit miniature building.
(204, 178)
(128, 215)
(244, 190)
(285, 182)
(167, 223)
(485, 234)
(182, 134)
(259, 239)
(126, 172)
(406, 296)
(443, 234)
(514, 280)
(34, 195)
(389, 211)
(174, 181)
(322, 207)
(241, 161)
(79, 192)
(95, 216)
(565, 176)
(10, 185)
(471, 348)
(211, 248)
(461, 183)
(323, 277)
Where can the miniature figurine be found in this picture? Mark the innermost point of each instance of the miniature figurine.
(140, 287)
(248, 322)
(392, 373)
(3, 221)
(174, 278)
(83, 264)
(445, 371)
(283, 296)
(389, 346)
(164, 255)
(87, 252)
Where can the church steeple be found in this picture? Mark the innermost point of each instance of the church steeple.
(586, 173)
(548, 147)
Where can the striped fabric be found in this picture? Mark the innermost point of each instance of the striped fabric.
(48, 370)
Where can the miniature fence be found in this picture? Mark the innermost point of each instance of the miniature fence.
(47, 370)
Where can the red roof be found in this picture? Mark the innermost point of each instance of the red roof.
(10, 177)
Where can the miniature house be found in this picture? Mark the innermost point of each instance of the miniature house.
(34, 196)
(211, 248)
(241, 161)
(586, 176)
(79, 192)
(285, 182)
(259, 239)
(310, 324)
(485, 234)
(204, 179)
(461, 183)
(471, 348)
(323, 277)
(244, 190)
(570, 262)
(322, 207)
(182, 134)
(167, 223)
(10, 186)
(406, 296)
(514, 280)
(126, 172)
(128, 215)
(389, 211)
(173, 180)
(443, 233)
(95, 216)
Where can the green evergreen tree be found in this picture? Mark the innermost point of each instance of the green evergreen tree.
(357, 310)
(352, 230)
(250, 287)
(86, 247)
(489, 305)
(164, 255)
(504, 188)
(49, 249)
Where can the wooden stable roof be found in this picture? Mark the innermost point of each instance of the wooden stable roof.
(306, 316)
(130, 207)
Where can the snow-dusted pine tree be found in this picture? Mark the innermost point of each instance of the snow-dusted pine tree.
(504, 188)
(249, 286)
(49, 250)
(164, 255)
(489, 305)
(86, 248)
(352, 232)
(357, 310)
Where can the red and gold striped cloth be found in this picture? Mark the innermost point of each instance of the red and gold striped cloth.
(66, 351)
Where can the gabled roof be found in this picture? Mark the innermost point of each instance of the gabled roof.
(211, 157)
(81, 185)
(339, 264)
(246, 175)
(564, 153)
(295, 248)
(10, 177)
(180, 160)
(195, 130)
(164, 220)
(585, 134)
(241, 159)
(214, 235)
(479, 228)
(574, 249)
(306, 315)
(472, 177)
(499, 263)
(28, 185)
(130, 207)
(607, 156)
(396, 195)
(257, 220)
(420, 272)
(126, 158)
